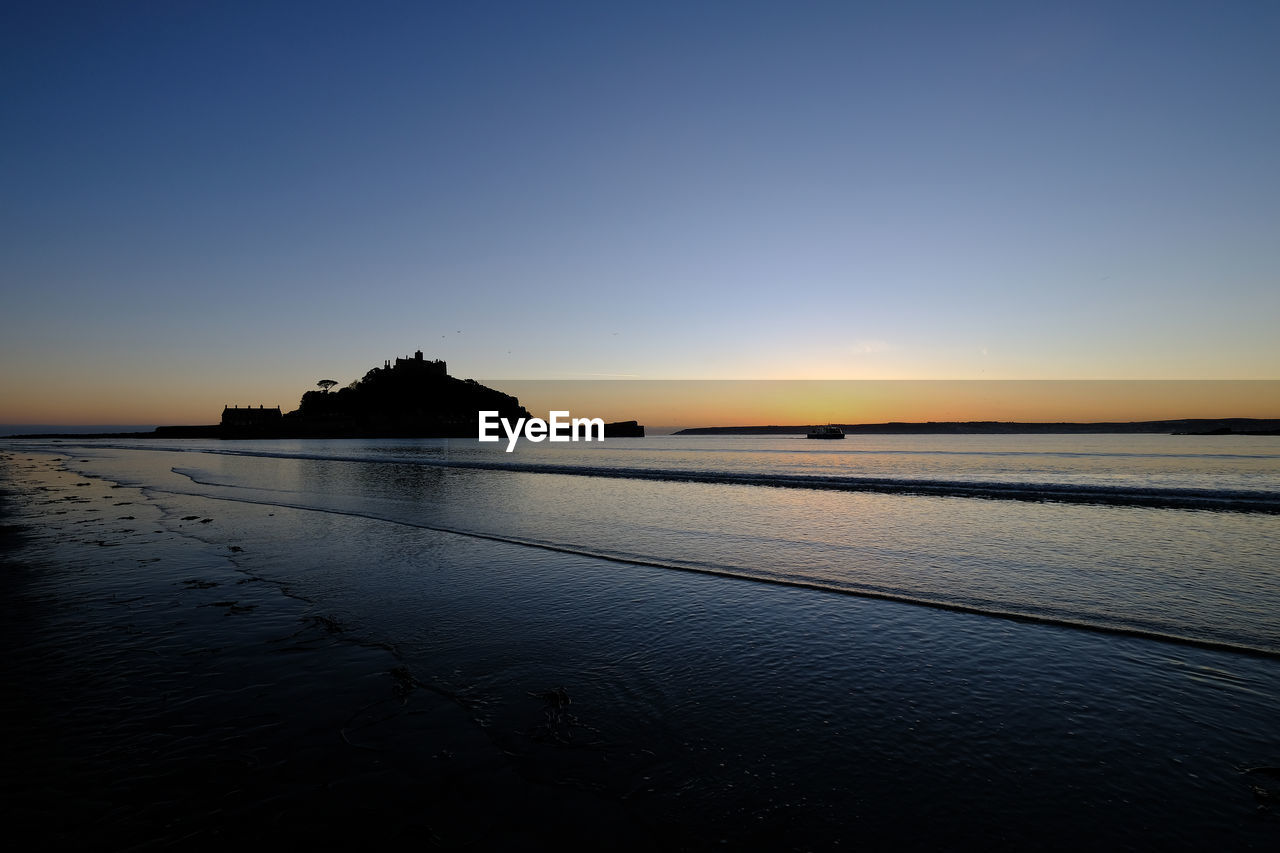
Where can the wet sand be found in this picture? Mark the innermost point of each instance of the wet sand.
(158, 696)
(164, 694)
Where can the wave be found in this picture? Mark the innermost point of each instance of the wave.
(1176, 498)
(1227, 500)
(1161, 497)
(1016, 612)
(809, 450)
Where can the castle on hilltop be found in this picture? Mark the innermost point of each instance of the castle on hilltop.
(419, 365)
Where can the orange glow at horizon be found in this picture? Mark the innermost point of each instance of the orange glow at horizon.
(79, 403)
(778, 402)
(692, 403)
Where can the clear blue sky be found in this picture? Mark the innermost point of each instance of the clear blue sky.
(224, 202)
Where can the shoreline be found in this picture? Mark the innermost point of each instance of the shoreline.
(165, 695)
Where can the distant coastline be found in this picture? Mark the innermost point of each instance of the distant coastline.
(1182, 426)
(198, 431)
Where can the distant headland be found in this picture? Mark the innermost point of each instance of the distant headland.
(412, 397)
(1183, 426)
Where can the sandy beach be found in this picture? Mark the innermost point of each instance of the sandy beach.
(174, 688)
(160, 697)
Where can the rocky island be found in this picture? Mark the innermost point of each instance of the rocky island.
(412, 397)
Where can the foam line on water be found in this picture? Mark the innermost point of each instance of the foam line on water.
(1224, 500)
(861, 591)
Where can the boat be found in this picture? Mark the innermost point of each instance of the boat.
(828, 431)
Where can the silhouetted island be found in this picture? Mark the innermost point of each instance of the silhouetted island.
(411, 398)
(1183, 426)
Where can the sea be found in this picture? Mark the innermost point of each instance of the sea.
(1028, 641)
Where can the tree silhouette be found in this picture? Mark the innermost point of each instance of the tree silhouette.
(326, 384)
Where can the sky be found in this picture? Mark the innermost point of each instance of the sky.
(221, 202)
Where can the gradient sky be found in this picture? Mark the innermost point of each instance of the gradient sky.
(220, 202)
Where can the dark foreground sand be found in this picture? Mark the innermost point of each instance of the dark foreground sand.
(157, 696)
(160, 694)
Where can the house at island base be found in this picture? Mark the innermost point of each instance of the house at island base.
(246, 421)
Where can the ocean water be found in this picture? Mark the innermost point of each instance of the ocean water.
(1034, 640)
(1062, 530)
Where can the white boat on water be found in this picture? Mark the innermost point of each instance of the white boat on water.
(828, 431)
